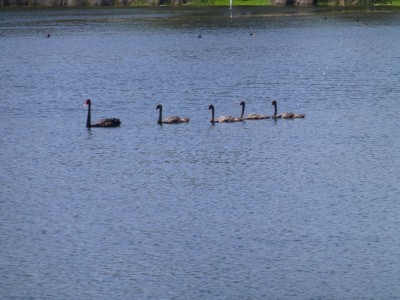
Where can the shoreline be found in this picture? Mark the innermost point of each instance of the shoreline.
(193, 3)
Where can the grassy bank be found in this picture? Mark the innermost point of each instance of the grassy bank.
(96, 3)
(243, 2)
(268, 2)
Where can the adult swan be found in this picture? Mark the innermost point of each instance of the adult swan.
(170, 119)
(112, 122)
(285, 115)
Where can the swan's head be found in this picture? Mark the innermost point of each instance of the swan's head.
(88, 102)
(211, 106)
(242, 103)
(273, 102)
(159, 106)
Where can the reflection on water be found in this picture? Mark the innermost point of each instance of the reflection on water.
(292, 209)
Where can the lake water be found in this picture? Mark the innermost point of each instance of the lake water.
(286, 209)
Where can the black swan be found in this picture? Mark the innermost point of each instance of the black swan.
(251, 116)
(113, 122)
(170, 119)
(285, 115)
(222, 119)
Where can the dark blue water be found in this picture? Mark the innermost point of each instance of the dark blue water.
(286, 209)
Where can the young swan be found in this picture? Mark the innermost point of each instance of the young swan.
(251, 116)
(222, 119)
(170, 119)
(285, 115)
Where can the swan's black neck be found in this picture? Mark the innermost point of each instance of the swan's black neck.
(88, 123)
(275, 109)
(243, 105)
(212, 114)
(159, 115)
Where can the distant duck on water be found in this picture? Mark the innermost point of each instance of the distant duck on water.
(111, 122)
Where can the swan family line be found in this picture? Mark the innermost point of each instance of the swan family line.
(115, 122)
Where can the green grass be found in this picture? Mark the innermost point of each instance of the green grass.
(268, 2)
(242, 2)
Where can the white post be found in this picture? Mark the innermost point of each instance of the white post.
(230, 6)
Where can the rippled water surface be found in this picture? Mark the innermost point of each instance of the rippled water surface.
(286, 209)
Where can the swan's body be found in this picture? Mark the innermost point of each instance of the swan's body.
(111, 122)
(251, 116)
(170, 119)
(285, 115)
(222, 119)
